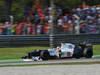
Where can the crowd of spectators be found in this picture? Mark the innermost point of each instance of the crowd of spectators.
(84, 20)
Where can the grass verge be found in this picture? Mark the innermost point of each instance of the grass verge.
(16, 53)
(96, 49)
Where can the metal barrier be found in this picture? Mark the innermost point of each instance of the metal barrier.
(44, 40)
(76, 39)
(23, 40)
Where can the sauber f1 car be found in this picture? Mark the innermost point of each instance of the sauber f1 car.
(65, 50)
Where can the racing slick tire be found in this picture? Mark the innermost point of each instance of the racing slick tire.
(45, 55)
(88, 52)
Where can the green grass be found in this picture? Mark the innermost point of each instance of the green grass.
(96, 49)
(18, 52)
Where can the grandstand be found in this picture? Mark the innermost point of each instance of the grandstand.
(84, 19)
(42, 20)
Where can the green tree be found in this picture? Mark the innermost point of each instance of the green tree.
(7, 7)
(12, 7)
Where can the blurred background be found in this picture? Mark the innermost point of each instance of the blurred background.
(34, 17)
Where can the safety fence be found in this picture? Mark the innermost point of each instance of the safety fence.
(45, 40)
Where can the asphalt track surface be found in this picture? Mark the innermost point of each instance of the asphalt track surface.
(93, 69)
(82, 69)
(51, 61)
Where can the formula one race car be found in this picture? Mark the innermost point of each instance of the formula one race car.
(66, 50)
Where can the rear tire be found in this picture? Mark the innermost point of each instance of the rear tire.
(88, 52)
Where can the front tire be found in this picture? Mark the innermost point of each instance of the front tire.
(45, 55)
